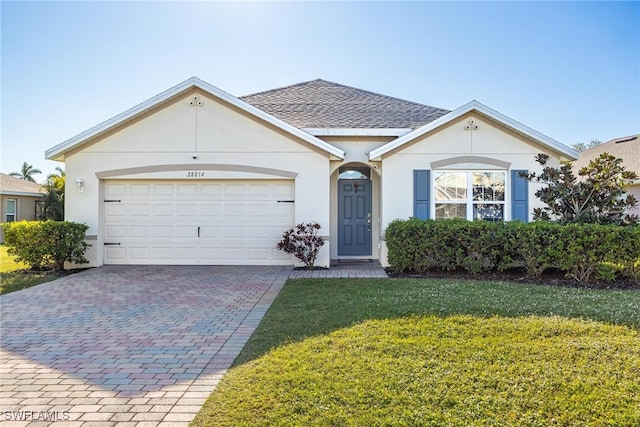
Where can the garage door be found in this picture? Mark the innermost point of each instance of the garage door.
(204, 222)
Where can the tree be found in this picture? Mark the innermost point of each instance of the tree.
(583, 146)
(26, 172)
(596, 195)
(54, 195)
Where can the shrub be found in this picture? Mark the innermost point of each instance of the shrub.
(587, 246)
(536, 246)
(303, 242)
(46, 245)
(583, 252)
(482, 245)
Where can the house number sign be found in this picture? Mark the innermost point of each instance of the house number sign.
(195, 174)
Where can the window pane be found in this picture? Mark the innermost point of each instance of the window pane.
(451, 210)
(11, 210)
(451, 185)
(488, 211)
(488, 186)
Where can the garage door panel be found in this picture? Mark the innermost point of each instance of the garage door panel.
(164, 209)
(113, 190)
(258, 254)
(182, 232)
(115, 231)
(160, 190)
(116, 254)
(210, 209)
(188, 190)
(231, 232)
(187, 253)
(163, 231)
(140, 231)
(139, 253)
(234, 191)
(137, 209)
(234, 254)
(211, 191)
(163, 253)
(113, 210)
(259, 232)
(158, 222)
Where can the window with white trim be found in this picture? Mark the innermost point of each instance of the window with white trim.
(470, 194)
(12, 206)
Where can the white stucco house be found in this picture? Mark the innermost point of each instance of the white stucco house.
(195, 175)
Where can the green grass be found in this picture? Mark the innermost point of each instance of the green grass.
(436, 352)
(15, 276)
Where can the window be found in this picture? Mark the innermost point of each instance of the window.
(11, 210)
(353, 173)
(470, 195)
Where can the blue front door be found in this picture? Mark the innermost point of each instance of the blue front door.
(354, 217)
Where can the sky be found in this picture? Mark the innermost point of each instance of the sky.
(570, 70)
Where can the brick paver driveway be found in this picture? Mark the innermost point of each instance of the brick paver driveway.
(121, 345)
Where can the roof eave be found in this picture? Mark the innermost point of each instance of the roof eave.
(357, 131)
(483, 109)
(57, 152)
(20, 193)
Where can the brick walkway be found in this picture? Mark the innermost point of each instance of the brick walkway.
(132, 345)
(341, 269)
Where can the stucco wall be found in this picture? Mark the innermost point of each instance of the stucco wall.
(218, 135)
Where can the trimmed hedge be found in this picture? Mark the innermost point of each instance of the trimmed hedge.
(46, 244)
(583, 251)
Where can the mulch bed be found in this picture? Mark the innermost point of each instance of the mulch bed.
(518, 275)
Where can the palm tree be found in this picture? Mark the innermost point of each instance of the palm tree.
(54, 195)
(26, 172)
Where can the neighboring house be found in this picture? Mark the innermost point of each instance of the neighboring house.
(19, 199)
(195, 175)
(626, 148)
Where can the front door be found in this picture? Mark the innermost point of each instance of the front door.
(354, 217)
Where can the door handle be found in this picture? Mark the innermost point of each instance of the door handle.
(198, 231)
(369, 221)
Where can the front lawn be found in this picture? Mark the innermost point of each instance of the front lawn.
(16, 276)
(436, 352)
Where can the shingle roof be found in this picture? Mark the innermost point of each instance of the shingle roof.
(17, 186)
(627, 148)
(323, 104)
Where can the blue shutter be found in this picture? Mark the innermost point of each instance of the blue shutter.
(421, 193)
(519, 196)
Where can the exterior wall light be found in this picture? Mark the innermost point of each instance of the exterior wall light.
(80, 184)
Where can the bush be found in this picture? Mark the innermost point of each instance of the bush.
(583, 252)
(303, 242)
(46, 245)
(536, 246)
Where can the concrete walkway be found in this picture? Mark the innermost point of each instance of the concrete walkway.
(132, 345)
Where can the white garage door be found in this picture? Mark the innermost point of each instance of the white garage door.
(204, 222)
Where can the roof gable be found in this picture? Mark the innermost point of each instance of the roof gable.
(11, 185)
(486, 111)
(321, 104)
(58, 152)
